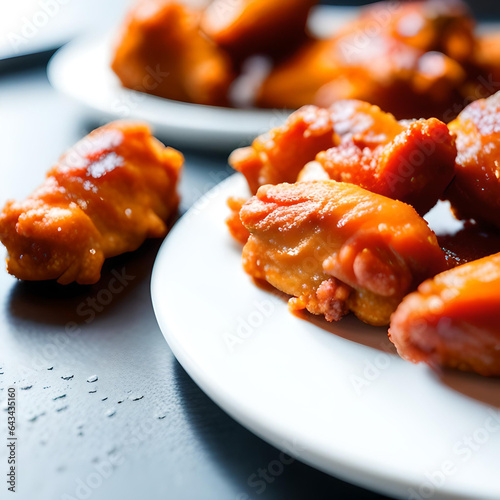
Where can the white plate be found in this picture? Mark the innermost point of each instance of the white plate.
(82, 70)
(333, 395)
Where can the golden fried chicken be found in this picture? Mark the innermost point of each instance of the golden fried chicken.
(161, 51)
(452, 320)
(411, 162)
(475, 192)
(107, 194)
(279, 155)
(246, 27)
(336, 247)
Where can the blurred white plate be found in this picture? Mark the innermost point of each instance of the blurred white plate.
(335, 396)
(82, 70)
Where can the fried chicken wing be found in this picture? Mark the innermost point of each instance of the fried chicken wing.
(452, 320)
(161, 51)
(413, 59)
(246, 27)
(107, 194)
(475, 192)
(336, 247)
(411, 162)
(399, 78)
(444, 26)
(279, 155)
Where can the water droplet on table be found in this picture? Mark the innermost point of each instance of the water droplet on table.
(34, 418)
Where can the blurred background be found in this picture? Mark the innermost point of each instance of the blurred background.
(25, 29)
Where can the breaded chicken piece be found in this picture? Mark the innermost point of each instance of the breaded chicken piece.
(336, 247)
(475, 192)
(279, 155)
(246, 27)
(411, 162)
(106, 195)
(160, 50)
(452, 320)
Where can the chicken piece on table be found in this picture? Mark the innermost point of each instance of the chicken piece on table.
(106, 195)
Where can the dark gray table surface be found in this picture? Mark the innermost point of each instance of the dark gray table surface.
(143, 430)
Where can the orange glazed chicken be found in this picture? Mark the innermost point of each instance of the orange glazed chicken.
(475, 192)
(107, 194)
(414, 59)
(279, 155)
(399, 78)
(411, 162)
(444, 26)
(161, 51)
(452, 320)
(246, 27)
(338, 248)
